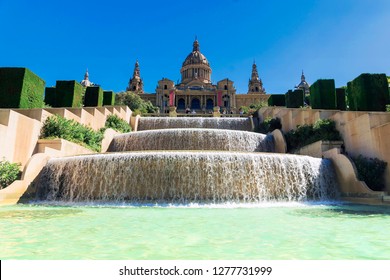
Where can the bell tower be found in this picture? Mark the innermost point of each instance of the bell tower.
(255, 84)
(136, 83)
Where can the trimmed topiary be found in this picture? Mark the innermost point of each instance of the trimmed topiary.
(340, 99)
(368, 92)
(108, 98)
(277, 100)
(20, 88)
(323, 94)
(294, 99)
(68, 94)
(50, 96)
(93, 97)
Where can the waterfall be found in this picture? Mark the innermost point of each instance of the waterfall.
(187, 176)
(193, 139)
(149, 123)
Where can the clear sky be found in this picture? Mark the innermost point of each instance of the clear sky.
(58, 40)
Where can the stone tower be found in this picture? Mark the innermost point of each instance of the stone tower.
(255, 84)
(135, 83)
(303, 84)
(86, 82)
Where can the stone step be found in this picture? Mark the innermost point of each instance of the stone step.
(386, 198)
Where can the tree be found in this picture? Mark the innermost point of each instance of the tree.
(135, 102)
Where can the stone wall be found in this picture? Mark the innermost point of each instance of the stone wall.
(365, 133)
(20, 128)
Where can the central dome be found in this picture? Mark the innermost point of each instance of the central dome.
(196, 69)
(195, 57)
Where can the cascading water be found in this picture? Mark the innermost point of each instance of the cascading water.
(219, 164)
(197, 176)
(193, 139)
(149, 123)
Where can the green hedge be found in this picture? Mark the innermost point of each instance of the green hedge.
(50, 96)
(68, 94)
(371, 171)
(277, 100)
(307, 134)
(108, 98)
(340, 99)
(93, 97)
(368, 92)
(323, 94)
(20, 88)
(294, 99)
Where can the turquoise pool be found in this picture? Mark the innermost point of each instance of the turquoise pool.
(280, 231)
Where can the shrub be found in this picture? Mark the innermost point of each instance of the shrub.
(388, 108)
(371, 171)
(59, 127)
(9, 172)
(116, 123)
(308, 134)
(269, 125)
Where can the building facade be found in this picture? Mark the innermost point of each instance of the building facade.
(195, 91)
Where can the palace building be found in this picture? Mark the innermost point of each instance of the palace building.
(195, 91)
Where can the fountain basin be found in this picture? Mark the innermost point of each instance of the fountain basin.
(174, 176)
(150, 123)
(193, 139)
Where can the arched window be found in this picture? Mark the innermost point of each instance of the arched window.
(195, 104)
(181, 104)
(209, 104)
(165, 87)
(257, 89)
(225, 87)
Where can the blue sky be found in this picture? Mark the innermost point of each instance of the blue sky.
(58, 40)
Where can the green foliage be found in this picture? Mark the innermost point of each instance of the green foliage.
(135, 103)
(9, 172)
(277, 100)
(294, 99)
(340, 99)
(59, 127)
(93, 97)
(116, 123)
(371, 171)
(68, 94)
(50, 96)
(323, 94)
(269, 125)
(20, 88)
(368, 92)
(307, 134)
(388, 108)
(108, 98)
